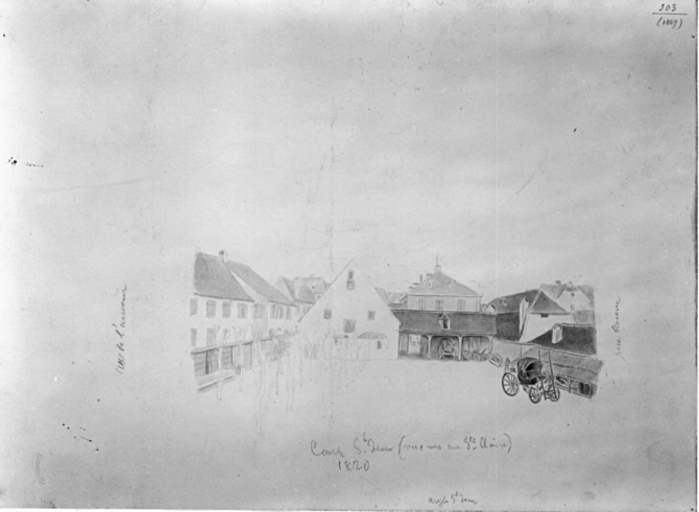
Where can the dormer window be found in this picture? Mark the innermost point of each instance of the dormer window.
(429, 284)
(445, 322)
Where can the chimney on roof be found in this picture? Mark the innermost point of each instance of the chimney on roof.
(223, 255)
(437, 267)
(558, 283)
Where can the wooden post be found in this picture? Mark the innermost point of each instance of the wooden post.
(429, 346)
(460, 341)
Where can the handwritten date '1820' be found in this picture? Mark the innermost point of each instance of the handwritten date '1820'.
(353, 465)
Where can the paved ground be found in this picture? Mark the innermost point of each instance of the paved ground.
(408, 434)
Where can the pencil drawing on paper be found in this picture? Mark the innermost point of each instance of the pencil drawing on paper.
(544, 339)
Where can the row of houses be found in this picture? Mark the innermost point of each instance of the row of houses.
(436, 318)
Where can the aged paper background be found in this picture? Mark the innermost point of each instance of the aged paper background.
(520, 142)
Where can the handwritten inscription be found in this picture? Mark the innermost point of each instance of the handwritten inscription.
(364, 447)
(668, 16)
(616, 327)
(317, 451)
(120, 330)
(456, 498)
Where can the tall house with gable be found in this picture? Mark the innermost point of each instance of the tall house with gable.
(439, 292)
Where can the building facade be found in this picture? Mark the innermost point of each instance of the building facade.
(525, 316)
(214, 306)
(439, 292)
(271, 313)
(299, 293)
(463, 336)
(351, 309)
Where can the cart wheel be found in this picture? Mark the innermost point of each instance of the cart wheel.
(554, 394)
(535, 395)
(509, 384)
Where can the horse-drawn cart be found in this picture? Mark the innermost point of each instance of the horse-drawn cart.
(535, 377)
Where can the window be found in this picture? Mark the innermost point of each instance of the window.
(226, 335)
(210, 308)
(422, 304)
(350, 325)
(378, 344)
(461, 305)
(445, 322)
(371, 315)
(211, 361)
(545, 315)
(273, 311)
(193, 335)
(350, 280)
(226, 309)
(288, 313)
(193, 306)
(327, 314)
(242, 310)
(210, 336)
(440, 305)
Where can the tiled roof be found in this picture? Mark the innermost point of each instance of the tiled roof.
(510, 303)
(389, 298)
(213, 279)
(304, 292)
(428, 322)
(507, 326)
(545, 305)
(257, 282)
(442, 284)
(317, 285)
(581, 339)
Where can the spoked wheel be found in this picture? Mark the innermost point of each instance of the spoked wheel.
(554, 395)
(509, 384)
(552, 392)
(535, 395)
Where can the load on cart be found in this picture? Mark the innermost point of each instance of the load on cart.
(542, 374)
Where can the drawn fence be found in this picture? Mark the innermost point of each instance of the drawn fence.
(223, 362)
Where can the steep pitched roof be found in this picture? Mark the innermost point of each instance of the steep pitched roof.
(442, 284)
(389, 298)
(507, 326)
(428, 322)
(257, 282)
(317, 285)
(545, 305)
(510, 303)
(350, 265)
(213, 279)
(581, 339)
(304, 292)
